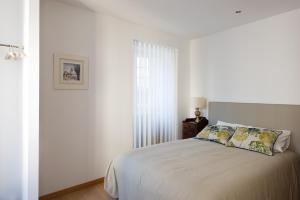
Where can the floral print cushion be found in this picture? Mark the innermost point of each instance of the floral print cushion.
(220, 134)
(254, 139)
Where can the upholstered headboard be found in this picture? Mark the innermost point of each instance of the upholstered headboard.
(261, 115)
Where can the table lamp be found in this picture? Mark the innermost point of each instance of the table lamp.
(198, 103)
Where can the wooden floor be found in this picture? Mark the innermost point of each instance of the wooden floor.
(95, 192)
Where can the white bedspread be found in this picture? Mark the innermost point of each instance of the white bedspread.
(201, 170)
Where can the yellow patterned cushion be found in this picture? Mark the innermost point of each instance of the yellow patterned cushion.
(220, 134)
(254, 139)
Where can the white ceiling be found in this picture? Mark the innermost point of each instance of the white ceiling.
(190, 18)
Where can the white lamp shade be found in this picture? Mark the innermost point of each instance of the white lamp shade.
(199, 102)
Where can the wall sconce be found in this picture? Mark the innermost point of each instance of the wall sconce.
(14, 52)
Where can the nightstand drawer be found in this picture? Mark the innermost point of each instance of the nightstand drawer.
(190, 128)
(189, 134)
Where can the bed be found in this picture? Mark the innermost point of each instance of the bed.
(194, 169)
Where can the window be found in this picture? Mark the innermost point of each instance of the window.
(155, 105)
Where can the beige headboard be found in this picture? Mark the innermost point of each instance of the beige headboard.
(261, 115)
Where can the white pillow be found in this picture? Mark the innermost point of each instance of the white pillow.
(282, 143)
(221, 123)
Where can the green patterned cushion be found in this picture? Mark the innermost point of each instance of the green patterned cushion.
(220, 134)
(254, 139)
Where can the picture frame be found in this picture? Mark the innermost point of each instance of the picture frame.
(70, 72)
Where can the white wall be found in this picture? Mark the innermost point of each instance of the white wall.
(82, 130)
(19, 101)
(30, 100)
(257, 62)
(11, 31)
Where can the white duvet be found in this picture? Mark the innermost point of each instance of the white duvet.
(201, 170)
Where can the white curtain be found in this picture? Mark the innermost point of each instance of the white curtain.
(155, 105)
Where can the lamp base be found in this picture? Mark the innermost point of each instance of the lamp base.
(198, 115)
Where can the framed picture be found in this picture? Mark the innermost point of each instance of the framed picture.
(71, 72)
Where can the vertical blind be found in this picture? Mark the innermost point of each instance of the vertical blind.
(155, 106)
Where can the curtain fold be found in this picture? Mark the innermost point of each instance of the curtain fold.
(155, 98)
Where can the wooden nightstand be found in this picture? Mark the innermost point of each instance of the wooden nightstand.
(190, 128)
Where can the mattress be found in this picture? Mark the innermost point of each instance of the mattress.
(194, 169)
